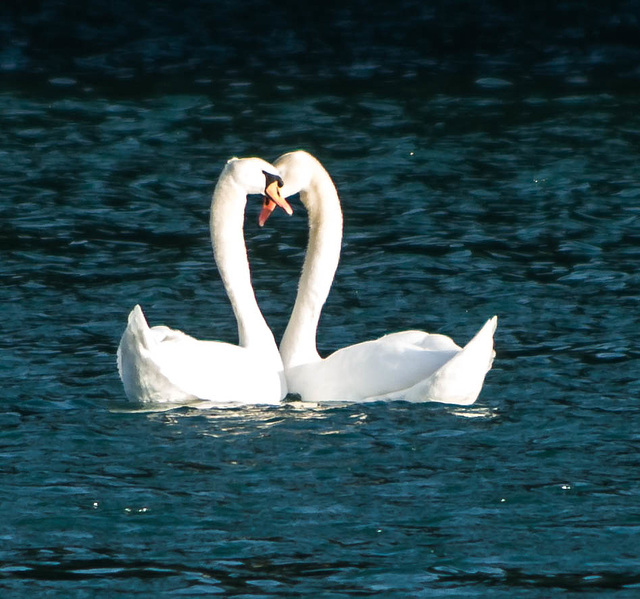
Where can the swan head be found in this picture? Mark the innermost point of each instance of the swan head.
(296, 169)
(256, 176)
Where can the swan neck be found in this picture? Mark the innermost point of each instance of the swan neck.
(321, 200)
(230, 253)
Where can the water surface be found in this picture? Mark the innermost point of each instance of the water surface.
(490, 196)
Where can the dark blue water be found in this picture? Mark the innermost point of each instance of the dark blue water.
(474, 193)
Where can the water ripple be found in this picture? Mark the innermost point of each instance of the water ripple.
(457, 206)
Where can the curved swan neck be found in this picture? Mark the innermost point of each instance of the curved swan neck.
(230, 253)
(321, 200)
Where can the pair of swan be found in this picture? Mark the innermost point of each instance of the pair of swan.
(162, 365)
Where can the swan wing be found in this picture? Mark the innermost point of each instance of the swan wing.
(372, 368)
(411, 365)
(163, 365)
(458, 381)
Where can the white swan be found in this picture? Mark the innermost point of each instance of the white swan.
(411, 365)
(162, 365)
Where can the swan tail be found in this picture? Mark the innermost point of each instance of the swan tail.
(133, 345)
(140, 373)
(460, 380)
(138, 327)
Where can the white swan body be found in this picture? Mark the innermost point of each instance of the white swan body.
(411, 365)
(162, 365)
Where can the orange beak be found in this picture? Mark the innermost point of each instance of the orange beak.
(268, 206)
(272, 198)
